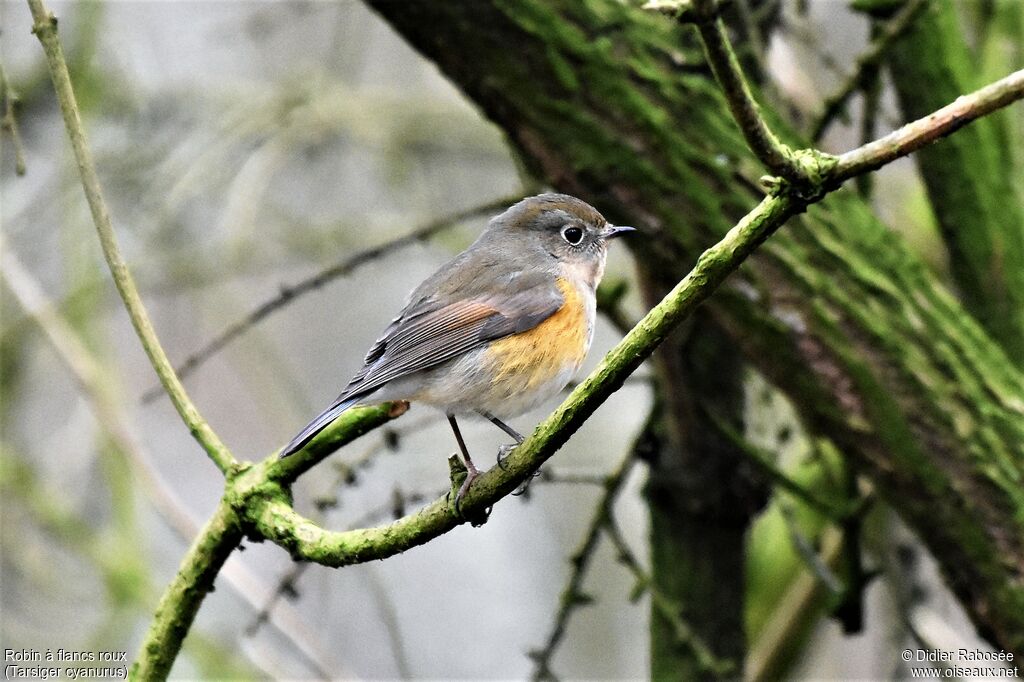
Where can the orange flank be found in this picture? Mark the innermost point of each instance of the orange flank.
(559, 343)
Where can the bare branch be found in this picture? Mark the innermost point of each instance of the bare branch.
(9, 122)
(572, 596)
(931, 128)
(866, 66)
(342, 268)
(45, 28)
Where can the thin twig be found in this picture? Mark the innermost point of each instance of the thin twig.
(772, 152)
(763, 142)
(928, 129)
(668, 608)
(285, 589)
(45, 28)
(342, 268)
(762, 459)
(10, 121)
(865, 68)
(815, 564)
(572, 596)
(89, 375)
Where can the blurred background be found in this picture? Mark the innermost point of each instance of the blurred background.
(245, 148)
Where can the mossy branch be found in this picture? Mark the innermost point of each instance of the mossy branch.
(183, 597)
(45, 28)
(269, 509)
(763, 142)
(931, 128)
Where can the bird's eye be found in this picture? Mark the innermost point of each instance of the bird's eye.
(572, 234)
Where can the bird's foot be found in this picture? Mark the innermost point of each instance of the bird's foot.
(468, 473)
(525, 485)
(471, 476)
(503, 452)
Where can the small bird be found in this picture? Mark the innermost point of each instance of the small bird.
(498, 330)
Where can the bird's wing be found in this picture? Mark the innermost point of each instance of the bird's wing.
(427, 333)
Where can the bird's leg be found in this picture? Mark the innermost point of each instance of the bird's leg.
(505, 450)
(471, 471)
(516, 436)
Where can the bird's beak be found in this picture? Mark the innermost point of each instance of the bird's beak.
(613, 231)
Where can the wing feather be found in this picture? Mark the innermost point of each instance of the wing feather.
(426, 334)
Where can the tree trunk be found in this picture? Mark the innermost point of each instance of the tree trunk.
(702, 497)
(968, 176)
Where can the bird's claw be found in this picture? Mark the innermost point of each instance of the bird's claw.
(470, 477)
(477, 518)
(504, 451)
(524, 486)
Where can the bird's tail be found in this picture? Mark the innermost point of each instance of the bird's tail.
(317, 425)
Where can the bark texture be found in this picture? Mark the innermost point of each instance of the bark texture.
(969, 177)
